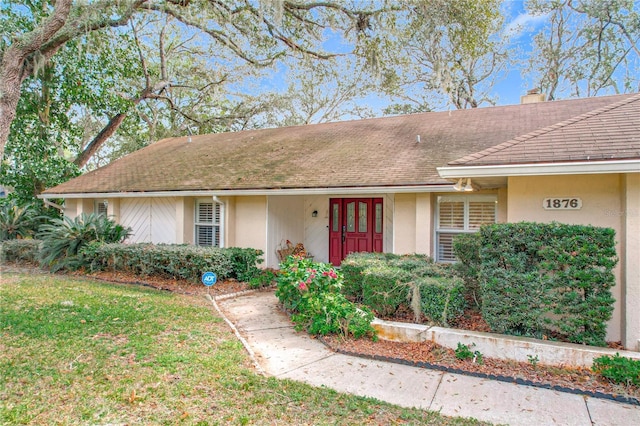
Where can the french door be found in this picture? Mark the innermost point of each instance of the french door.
(355, 225)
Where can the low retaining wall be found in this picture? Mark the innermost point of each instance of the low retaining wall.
(498, 345)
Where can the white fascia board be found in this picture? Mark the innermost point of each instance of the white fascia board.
(240, 192)
(574, 168)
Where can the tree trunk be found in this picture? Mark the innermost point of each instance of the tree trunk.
(95, 144)
(17, 62)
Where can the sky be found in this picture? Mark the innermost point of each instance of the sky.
(521, 27)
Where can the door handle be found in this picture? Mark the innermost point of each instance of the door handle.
(344, 232)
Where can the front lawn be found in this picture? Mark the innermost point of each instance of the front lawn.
(77, 351)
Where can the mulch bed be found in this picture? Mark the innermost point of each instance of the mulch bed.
(423, 354)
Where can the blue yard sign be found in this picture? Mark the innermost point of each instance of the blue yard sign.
(209, 278)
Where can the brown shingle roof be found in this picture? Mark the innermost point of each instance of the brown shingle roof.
(611, 132)
(373, 152)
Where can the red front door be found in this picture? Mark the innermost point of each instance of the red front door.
(355, 225)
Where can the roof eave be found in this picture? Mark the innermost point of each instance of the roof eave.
(541, 169)
(248, 192)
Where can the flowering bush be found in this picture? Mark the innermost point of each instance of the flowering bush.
(311, 292)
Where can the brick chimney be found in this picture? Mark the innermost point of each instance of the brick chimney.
(532, 97)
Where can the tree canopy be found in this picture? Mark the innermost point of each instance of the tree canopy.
(83, 83)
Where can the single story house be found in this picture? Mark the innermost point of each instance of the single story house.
(402, 184)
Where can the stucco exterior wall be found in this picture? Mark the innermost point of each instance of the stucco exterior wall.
(404, 223)
(630, 260)
(316, 229)
(185, 218)
(285, 222)
(248, 221)
(601, 197)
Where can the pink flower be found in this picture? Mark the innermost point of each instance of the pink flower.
(302, 286)
(331, 273)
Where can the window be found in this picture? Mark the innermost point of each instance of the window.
(208, 224)
(459, 214)
(100, 207)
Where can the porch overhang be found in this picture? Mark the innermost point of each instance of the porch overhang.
(564, 168)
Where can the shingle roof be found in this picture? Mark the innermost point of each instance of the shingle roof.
(361, 153)
(611, 132)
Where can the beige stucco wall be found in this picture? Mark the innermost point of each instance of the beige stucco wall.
(185, 218)
(601, 197)
(630, 260)
(404, 223)
(286, 221)
(247, 222)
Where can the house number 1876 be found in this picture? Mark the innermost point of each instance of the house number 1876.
(562, 203)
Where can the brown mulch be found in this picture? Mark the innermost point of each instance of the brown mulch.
(425, 354)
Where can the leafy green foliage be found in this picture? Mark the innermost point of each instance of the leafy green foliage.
(244, 262)
(353, 267)
(464, 352)
(467, 250)
(18, 221)
(20, 251)
(442, 298)
(618, 369)
(385, 288)
(174, 261)
(385, 282)
(548, 280)
(265, 278)
(311, 291)
(64, 239)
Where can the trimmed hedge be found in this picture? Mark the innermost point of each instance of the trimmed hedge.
(467, 250)
(385, 288)
(353, 267)
(20, 251)
(442, 299)
(549, 280)
(174, 261)
(385, 282)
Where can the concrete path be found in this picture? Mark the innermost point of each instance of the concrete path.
(283, 352)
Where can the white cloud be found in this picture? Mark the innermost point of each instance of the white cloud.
(523, 23)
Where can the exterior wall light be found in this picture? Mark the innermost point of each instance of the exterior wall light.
(314, 213)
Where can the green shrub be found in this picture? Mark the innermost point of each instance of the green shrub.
(385, 288)
(331, 313)
(173, 261)
(265, 278)
(464, 352)
(618, 369)
(384, 282)
(409, 262)
(467, 250)
(244, 262)
(64, 239)
(548, 279)
(311, 292)
(20, 251)
(442, 298)
(353, 267)
(18, 221)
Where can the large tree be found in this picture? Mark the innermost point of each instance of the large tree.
(258, 33)
(452, 53)
(586, 48)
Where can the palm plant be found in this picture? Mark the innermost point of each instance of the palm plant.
(17, 221)
(63, 239)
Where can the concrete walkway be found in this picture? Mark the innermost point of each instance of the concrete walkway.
(282, 352)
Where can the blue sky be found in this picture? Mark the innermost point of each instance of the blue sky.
(520, 27)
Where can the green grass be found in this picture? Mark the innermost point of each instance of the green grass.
(76, 351)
